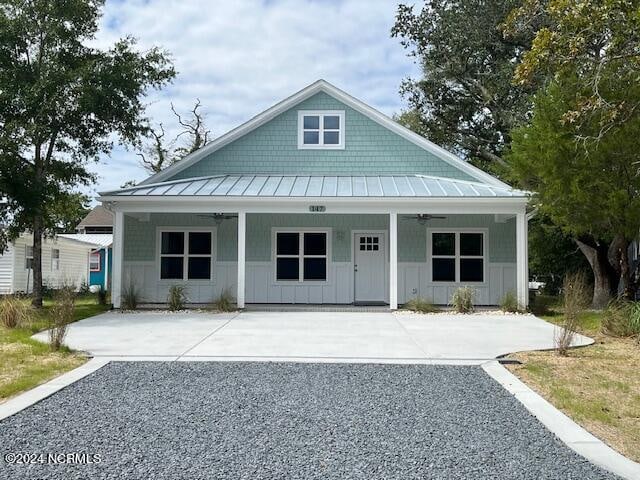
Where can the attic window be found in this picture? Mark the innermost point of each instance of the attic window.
(321, 129)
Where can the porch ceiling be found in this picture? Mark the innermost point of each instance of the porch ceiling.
(318, 186)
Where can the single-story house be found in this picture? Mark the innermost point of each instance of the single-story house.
(99, 224)
(320, 200)
(65, 261)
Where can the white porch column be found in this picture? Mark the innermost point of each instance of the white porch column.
(242, 234)
(118, 241)
(522, 259)
(393, 261)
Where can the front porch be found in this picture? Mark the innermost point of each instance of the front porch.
(349, 258)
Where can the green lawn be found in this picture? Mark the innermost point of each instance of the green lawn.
(26, 363)
(598, 386)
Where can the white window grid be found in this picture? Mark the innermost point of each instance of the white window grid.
(321, 114)
(369, 243)
(301, 255)
(94, 261)
(185, 255)
(457, 257)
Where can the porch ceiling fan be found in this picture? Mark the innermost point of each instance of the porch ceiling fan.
(217, 217)
(423, 217)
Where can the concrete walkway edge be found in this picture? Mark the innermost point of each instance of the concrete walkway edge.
(33, 396)
(572, 434)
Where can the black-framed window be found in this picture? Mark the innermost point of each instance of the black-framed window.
(301, 256)
(457, 256)
(186, 255)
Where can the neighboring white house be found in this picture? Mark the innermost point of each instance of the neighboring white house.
(64, 260)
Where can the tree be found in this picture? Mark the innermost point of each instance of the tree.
(597, 40)
(61, 101)
(466, 99)
(592, 191)
(159, 153)
(590, 49)
(552, 254)
(67, 215)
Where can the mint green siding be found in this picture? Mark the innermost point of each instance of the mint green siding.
(140, 236)
(259, 231)
(412, 236)
(369, 149)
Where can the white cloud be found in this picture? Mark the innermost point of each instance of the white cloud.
(241, 57)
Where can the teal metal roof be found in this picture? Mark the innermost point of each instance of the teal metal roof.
(318, 186)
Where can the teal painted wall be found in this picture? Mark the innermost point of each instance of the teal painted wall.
(140, 237)
(259, 231)
(412, 236)
(369, 149)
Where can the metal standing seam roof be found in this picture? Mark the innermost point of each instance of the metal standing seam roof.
(318, 186)
(95, 239)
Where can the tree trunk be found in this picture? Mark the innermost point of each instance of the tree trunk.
(618, 255)
(599, 265)
(37, 262)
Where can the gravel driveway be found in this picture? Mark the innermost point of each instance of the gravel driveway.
(288, 421)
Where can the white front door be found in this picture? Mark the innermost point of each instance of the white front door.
(370, 260)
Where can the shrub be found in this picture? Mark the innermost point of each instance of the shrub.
(421, 305)
(130, 297)
(576, 299)
(462, 300)
(64, 301)
(621, 318)
(225, 302)
(84, 288)
(509, 303)
(13, 311)
(176, 298)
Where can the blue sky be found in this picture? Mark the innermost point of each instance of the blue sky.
(240, 57)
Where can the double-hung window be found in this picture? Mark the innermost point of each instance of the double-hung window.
(94, 262)
(457, 256)
(301, 256)
(28, 257)
(321, 129)
(55, 259)
(186, 255)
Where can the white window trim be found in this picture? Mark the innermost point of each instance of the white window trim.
(300, 256)
(457, 256)
(321, 114)
(27, 257)
(55, 261)
(99, 269)
(185, 255)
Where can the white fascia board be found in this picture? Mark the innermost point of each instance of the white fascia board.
(326, 87)
(497, 205)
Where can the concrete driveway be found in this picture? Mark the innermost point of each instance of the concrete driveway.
(312, 336)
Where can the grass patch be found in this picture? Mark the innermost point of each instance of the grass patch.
(597, 386)
(26, 363)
